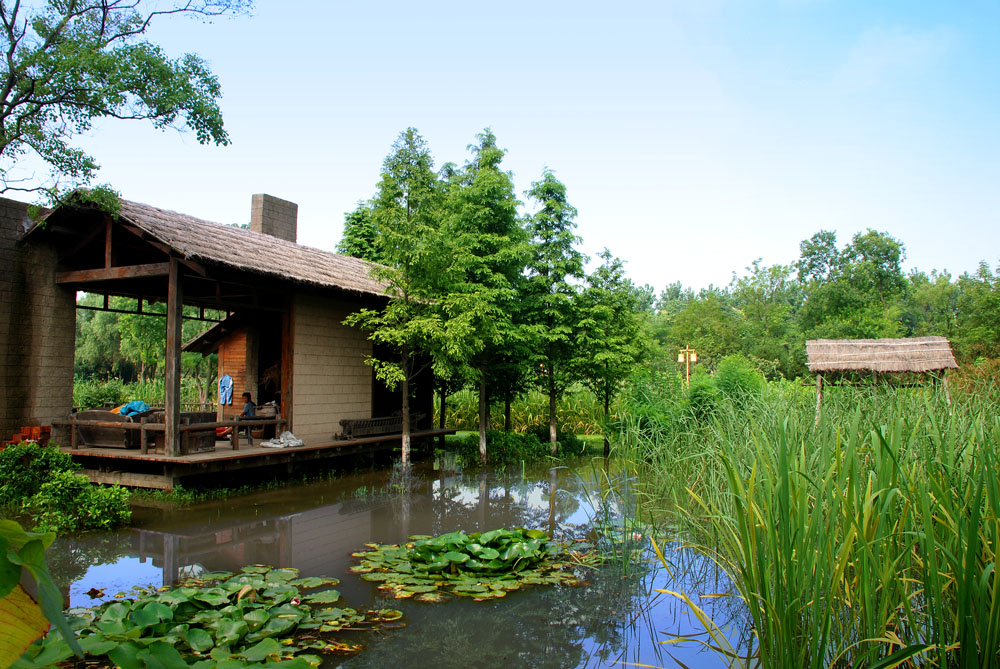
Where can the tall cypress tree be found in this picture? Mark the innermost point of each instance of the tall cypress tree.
(550, 294)
(405, 217)
(488, 252)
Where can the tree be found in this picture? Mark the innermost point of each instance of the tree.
(608, 341)
(930, 306)
(359, 237)
(979, 314)
(853, 293)
(767, 299)
(69, 62)
(550, 296)
(487, 256)
(404, 216)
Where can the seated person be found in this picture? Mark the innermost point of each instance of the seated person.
(249, 413)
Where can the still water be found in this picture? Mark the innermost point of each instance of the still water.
(616, 619)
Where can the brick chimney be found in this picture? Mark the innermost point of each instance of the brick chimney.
(274, 216)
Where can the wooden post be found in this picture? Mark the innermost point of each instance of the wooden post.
(172, 380)
(819, 396)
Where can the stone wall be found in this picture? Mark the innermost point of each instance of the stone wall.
(332, 381)
(37, 330)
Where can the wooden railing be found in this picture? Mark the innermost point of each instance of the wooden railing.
(145, 428)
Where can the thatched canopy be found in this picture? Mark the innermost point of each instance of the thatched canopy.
(916, 354)
(236, 248)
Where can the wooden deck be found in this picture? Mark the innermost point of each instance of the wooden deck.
(131, 467)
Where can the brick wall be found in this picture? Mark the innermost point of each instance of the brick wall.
(332, 381)
(37, 329)
(273, 216)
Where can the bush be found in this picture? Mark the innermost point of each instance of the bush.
(569, 443)
(702, 396)
(25, 467)
(738, 379)
(94, 394)
(502, 448)
(41, 481)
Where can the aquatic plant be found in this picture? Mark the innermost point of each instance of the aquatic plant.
(250, 619)
(482, 565)
(868, 539)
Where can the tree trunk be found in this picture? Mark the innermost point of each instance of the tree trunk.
(444, 404)
(506, 415)
(607, 412)
(552, 414)
(484, 416)
(406, 423)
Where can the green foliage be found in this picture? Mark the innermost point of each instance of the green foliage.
(255, 618)
(481, 566)
(579, 412)
(738, 378)
(40, 481)
(503, 448)
(979, 309)
(359, 237)
(25, 467)
(23, 553)
(95, 393)
(67, 502)
(69, 64)
(703, 396)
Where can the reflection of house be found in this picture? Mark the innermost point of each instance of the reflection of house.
(286, 304)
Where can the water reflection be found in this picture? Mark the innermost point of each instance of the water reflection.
(616, 620)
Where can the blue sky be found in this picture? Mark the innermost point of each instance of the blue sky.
(693, 136)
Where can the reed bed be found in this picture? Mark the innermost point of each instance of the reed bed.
(868, 539)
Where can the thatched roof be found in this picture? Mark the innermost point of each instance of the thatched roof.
(196, 239)
(916, 354)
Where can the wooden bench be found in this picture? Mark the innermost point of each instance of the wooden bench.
(366, 427)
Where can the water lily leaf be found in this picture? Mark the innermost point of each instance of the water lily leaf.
(313, 582)
(421, 588)
(199, 640)
(432, 597)
(324, 597)
(536, 534)
(376, 576)
(387, 614)
(163, 655)
(260, 651)
(256, 569)
(126, 656)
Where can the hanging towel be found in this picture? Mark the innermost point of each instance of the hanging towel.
(226, 390)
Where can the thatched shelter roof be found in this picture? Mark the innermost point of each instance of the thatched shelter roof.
(237, 248)
(196, 239)
(915, 354)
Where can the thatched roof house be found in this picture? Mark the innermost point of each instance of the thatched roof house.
(916, 354)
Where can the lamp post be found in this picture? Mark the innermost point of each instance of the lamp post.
(686, 356)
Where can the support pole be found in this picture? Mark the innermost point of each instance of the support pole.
(172, 376)
(819, 397)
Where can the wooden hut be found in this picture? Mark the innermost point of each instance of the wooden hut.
(284, 336)
(919, 355)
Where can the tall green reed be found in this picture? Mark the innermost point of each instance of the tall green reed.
(866, 540)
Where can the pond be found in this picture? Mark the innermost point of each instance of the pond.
(615, 619)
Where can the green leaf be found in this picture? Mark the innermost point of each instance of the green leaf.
(199, 640)
(324, 597)
(163, 656)
(313, 582)
(452, 556)
(262, 650)
(126, 656)
(10, 573)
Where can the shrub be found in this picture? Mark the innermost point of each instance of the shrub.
(502, 448)
(738, 379)
(25, 467)
(569, 443)
(41, 481)
(68, 502)
(702, 396)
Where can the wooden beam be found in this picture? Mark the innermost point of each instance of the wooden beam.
(86, 239)
(172, 380)
(111, 273)
(107, 242)
(190, 264)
